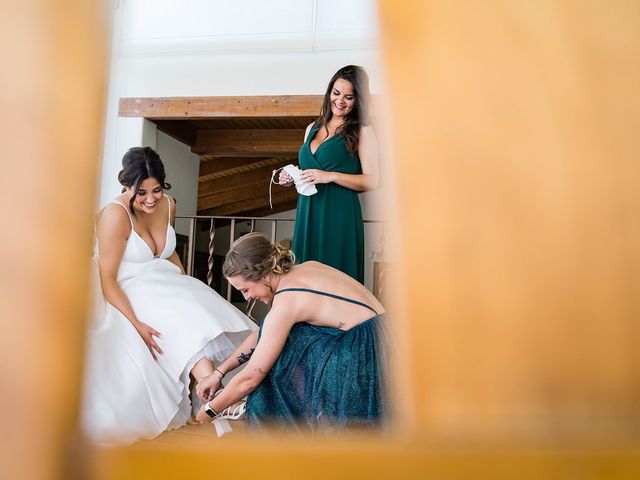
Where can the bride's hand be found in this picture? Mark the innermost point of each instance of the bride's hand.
(147, 333)
(207, 387)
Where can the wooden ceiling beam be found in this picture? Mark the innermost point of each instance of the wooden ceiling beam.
(245, 179)
(249, 143)
(240, 191)
(231, 195)
(257, 200)
(277, 208)
(183, 131)
(243, 169)
(180, 108)
(210, 159)
(214, 167)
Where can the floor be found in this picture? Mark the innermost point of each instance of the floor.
(194, 434)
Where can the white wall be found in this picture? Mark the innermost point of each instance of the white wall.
(166, 27)
(217, 47)
(164, 48)
(181, 167)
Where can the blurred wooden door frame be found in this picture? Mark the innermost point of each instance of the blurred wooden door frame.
(52, 91)
(467, 83)
(481, 294)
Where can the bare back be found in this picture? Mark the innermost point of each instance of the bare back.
(324, 310)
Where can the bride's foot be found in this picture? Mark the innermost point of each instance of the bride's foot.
(202, 416)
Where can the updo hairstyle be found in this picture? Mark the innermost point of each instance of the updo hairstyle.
(253, 257)
(138, 164)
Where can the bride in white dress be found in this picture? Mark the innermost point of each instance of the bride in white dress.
(157, 325)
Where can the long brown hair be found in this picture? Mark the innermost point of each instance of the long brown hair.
(358, 117)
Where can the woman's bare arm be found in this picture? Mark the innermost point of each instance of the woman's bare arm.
(242, 354)
(275, 330)
(174, 258)
(112, 232)
(368, 154)
(209, 385)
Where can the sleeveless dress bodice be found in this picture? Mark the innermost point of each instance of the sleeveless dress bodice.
(127, 394)
(137, 256)
(329, 226)
(324, 376)
(138, 251)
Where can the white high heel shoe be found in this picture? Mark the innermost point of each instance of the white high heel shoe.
(232, 412)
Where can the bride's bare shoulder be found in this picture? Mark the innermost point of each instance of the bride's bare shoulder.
(112, 218)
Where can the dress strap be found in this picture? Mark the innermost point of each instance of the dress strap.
(317, 292)
(169, 202)
(117, 202)
(312, 133)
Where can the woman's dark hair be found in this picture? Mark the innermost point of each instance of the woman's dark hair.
(138, 164)
(359, 114)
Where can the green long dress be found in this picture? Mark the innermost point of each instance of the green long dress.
(329, 226)
(325, 376)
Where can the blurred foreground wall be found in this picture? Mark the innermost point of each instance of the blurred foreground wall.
(517, 306)
(518, 161)
(52, 90)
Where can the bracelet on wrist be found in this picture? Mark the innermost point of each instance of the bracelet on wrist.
(220, 375)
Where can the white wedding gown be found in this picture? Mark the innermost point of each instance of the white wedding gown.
(127, 394)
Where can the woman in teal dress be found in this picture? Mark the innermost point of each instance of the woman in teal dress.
(318, 358)
(339, 156)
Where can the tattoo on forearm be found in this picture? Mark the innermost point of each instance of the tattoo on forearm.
(244, 357)
(341, 324)
(259, 371)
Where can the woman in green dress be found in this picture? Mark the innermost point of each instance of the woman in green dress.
(317, 361)
(340, 157)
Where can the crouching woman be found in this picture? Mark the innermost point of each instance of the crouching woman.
(318, 358)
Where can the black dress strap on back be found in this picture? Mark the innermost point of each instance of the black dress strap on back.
(317, 292)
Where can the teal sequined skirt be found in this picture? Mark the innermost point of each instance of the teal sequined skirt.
(324, 377)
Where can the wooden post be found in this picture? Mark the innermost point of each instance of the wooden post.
(516, 125)
(52, 90)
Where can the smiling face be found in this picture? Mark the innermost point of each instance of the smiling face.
(342, 98)
(148, 196)
(258, 290)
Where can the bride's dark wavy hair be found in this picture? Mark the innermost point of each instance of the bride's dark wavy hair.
(358, 117)
(138, 164)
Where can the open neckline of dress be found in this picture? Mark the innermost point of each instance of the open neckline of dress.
(321, 143)
(166, 235)
(166, 241)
